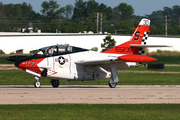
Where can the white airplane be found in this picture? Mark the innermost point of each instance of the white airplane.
(68, 63)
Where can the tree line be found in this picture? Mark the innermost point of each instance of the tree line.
(83, 16)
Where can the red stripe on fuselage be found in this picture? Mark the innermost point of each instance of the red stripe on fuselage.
(31, 65)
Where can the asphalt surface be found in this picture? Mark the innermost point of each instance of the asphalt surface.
(91, 94)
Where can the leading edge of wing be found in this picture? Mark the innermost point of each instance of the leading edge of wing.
(95, 62)
(144, 46)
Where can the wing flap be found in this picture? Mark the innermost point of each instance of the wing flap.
(95, 62)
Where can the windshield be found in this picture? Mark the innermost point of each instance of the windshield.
(57, 50)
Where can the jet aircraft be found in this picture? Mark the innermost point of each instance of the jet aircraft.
(60, 62)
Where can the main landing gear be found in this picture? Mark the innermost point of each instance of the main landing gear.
(114, 78)
(55, 83)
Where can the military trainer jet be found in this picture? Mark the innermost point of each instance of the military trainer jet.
(60, 62)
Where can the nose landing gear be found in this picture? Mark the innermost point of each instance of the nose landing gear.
(37, 84)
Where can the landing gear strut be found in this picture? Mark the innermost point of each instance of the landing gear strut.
(55, 83)
(114, 78)
(37, 84)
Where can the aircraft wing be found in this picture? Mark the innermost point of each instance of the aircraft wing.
(144, 46)
(123, 58)
(104, 63)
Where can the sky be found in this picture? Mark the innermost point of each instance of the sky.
(141, 7)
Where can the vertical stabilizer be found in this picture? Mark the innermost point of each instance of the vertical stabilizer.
(139, 37)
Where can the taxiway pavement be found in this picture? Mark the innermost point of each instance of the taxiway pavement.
(90, 94)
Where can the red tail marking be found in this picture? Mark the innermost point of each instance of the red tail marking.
(136, 38)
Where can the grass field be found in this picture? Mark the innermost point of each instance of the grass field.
(91, 112)
(166, 59)
(166, 68)
(17, 77)
(4, 61)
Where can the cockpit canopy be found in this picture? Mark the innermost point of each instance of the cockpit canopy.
(58, 50)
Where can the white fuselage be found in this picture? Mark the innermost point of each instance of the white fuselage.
(66, 66)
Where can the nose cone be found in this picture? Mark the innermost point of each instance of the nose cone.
(15, 58)
(11, 58)
(22, 59)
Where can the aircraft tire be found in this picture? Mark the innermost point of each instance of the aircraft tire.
(55, 83)
(112, 85)
(37, 84)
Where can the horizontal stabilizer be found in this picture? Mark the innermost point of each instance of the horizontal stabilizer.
(136, 58)
(144, 46)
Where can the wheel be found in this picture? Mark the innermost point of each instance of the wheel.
(55, 83)
(112, 85)
(37, 84)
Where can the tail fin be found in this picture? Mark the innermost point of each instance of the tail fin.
(139, 37)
